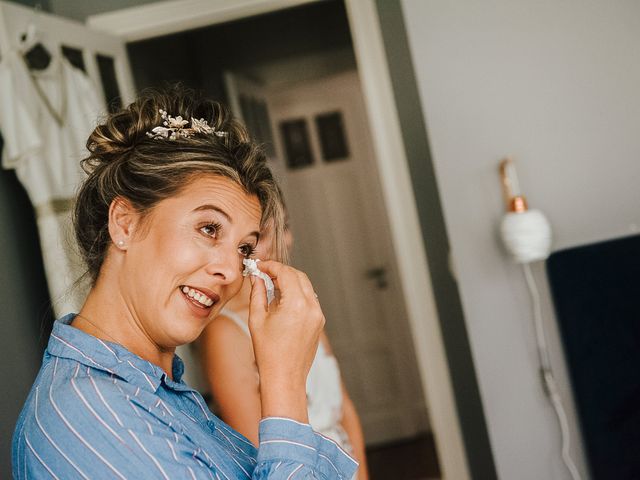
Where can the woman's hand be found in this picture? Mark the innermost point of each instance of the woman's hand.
(285, 339)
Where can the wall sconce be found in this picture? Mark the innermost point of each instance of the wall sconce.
(526, 233)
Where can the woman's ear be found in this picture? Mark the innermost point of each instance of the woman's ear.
(123, 218)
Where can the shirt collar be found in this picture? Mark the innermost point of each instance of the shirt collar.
(69, 342)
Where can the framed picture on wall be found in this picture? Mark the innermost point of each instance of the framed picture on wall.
(333, 140)
(295, 138)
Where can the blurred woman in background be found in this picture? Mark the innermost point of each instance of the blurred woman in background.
(229, 365)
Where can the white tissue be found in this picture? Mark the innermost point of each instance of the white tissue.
(251, 268)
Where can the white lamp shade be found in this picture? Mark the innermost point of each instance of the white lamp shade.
(526, 235)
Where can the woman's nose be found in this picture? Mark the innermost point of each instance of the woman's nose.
(225, 265)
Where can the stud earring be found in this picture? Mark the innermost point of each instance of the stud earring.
(121, 243)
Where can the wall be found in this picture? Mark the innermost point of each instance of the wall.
(81, 9)
(42, 4)
(429, 206)
(24, 303)
(555, 84)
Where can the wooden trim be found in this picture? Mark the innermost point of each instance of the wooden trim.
(163, 18)
(173, 16)
(407, 236)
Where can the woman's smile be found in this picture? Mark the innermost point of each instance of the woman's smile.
(199, 300)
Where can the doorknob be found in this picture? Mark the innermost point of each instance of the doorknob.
(379, 274)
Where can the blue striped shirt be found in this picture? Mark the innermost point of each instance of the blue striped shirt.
(97, 411)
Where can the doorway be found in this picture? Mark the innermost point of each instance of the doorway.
(343, 245)
(307, 79)
(172, 30)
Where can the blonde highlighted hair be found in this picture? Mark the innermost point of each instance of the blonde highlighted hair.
(125, 163)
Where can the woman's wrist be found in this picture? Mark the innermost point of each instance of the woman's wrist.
(280, 399)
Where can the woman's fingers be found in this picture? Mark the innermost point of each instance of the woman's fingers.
(258, 299)
(289, 281)
(305, 285)
(271, 268)
(278, 272)
(285, 334)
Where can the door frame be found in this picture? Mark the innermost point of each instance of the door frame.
(407, 403)
(173, 16)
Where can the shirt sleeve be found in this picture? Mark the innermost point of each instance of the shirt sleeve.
(289, 449)
(85, 432)
(101, 428)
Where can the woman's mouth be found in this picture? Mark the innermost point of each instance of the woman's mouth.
(198, 298)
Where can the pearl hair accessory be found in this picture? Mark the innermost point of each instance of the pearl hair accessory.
(251, 268)
(173, 128)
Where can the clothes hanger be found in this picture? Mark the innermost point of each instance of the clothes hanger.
(35, 54)
(38, 58)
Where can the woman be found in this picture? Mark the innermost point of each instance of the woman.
(230, 367)
(172, 204)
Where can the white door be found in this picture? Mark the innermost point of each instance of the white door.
(103, 57)
(341, 239)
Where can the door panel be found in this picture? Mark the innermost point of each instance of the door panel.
(340, 237)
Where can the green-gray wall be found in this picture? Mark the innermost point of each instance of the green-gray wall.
(434, 233)
(556, 85)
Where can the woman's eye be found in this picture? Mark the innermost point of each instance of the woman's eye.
(210, 230)
(247, 250)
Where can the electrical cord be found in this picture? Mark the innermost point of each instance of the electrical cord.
(548, 381)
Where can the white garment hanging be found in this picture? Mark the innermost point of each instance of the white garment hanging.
(324, 391)
(46, 154)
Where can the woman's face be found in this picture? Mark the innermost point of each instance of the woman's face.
(185, 262)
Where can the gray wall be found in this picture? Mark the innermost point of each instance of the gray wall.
(429, 206)
(25, 316)
(43, 4)
(555, 84)
(81, 9)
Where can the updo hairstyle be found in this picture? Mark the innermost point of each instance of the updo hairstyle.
(125, 162)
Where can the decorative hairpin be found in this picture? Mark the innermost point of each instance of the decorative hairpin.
(174, 128)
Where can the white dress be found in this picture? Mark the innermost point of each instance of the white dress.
(45, 149)
(324, 391)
